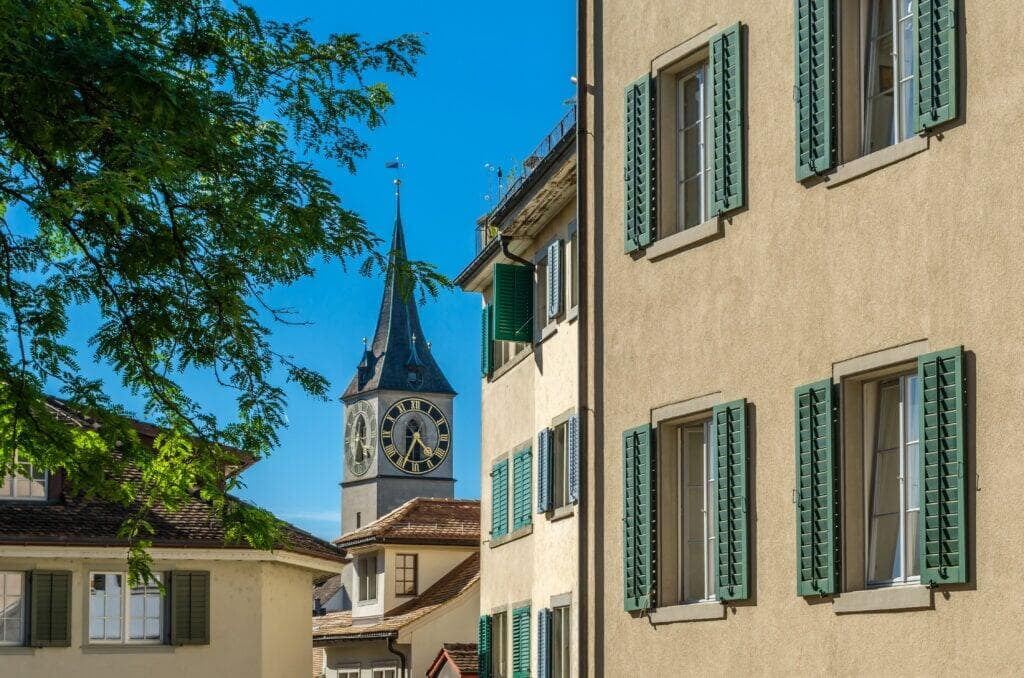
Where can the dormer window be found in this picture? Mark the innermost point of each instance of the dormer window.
(366, 571)
(26, 482)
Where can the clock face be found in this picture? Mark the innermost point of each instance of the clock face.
(360, 437)
(415, 435)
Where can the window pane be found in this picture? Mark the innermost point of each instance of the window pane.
(691, 164)
(906, 48)
(887, 483)
(693, 570)
(689, 101)
(912, 551)
(6, 486)
(911, 398)
(885, 540)
(558, 475)
(913, 477)
(573, 270)
(907, 110)
(691, 203)
(11, 608)
(888, 436)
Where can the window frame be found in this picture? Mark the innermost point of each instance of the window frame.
(346, 672)
(561, 652)
(540, 295)
(404, 569)
(9, 483)
(499, 644)
(572, 269)
(698, 72)
(901, 120)
(125, 612)
(22, 617)
(363, 580)
(560, 480)
(384, 671)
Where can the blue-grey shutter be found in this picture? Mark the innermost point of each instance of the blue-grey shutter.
(554, 279)
(639, 166)
(815, 89)
(544, 643)
(942, 526)
(544, 470)
(574, 458)
(935, 63)
(817, 490)
(726, 66)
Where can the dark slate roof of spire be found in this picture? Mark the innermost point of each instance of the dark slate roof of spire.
(398, 343)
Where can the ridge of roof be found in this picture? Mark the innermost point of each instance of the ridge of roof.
(422, 520)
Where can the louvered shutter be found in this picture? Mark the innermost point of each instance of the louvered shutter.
(639, 167)
(638, 517)
(190, 608)
(935, 63)
(483, 651)
(544, 465)
(499, 499)
(942, 528)
(574, 458)
(544, 643)
(521, 642)
(817, 493)
(727, 120)
(522, 470)
(50, 614)
(513, 302)
(486, 344)
(730, 435)
(815, 89)
(554, 282)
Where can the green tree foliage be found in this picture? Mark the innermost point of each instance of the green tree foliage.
(158, 147)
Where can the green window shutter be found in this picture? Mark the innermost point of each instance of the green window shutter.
(50, 614)
(499, 499)
(513, 302)
(942, 531)
(522, 492)
(730, 436)
(639, 169)
(483, 656)
(727, 120)
(521, 642)
(638, 518)
(935, 63)
(486, 344)
(190, 608)
(815, 89)
(817, 490)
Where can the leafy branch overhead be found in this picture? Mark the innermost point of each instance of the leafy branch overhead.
(157, 148)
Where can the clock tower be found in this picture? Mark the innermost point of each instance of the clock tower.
(397, 410)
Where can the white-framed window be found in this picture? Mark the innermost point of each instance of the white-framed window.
(560, 465)
(499, 645)
(540, 295)
(691, 125)
(888, 68)
(385, 672)
(26, 482)
(560, 642)
(12, 608)
(347, 672)
(119, 613)
(405, 574)
(893, 488)
(366, 571)
(686, 534)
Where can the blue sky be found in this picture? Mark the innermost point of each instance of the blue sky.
(493, 81)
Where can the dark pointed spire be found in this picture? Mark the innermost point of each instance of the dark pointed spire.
(394, 361)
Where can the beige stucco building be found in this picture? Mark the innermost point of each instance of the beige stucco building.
(525, 271)
(802, 320)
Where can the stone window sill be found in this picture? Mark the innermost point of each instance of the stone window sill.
(687, 613)
(513, 536)
(99, 648)
(877, 160)
(16, 649)
(549, 331)
(888, 599)
(573, 314)
(562, 512)
(516, 359)
(689, 237)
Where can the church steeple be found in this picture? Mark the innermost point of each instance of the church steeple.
(399, 357)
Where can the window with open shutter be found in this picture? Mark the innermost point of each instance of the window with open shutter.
(726, 121)
(817, 490)
(574, 458)
(486, 343)
(935, 62)
(513, 302)
(544, 468)
(942, 534)
(521, 642)
(544, 643)
(499, 499)
(522, 481)
(639, 163)
(815, 87)
(190, 608)
(554, 282)
(729, 428)
(483, 661)
(50, 615)
(638, 518)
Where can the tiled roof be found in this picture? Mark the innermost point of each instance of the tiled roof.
(453, 522)
(463, 656)
(327, 589)
(339, 626)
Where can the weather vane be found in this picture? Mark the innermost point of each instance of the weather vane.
(397, 166)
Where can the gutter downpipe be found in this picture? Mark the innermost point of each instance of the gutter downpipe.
(505, 240)
(583, 406)
(401, 657)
